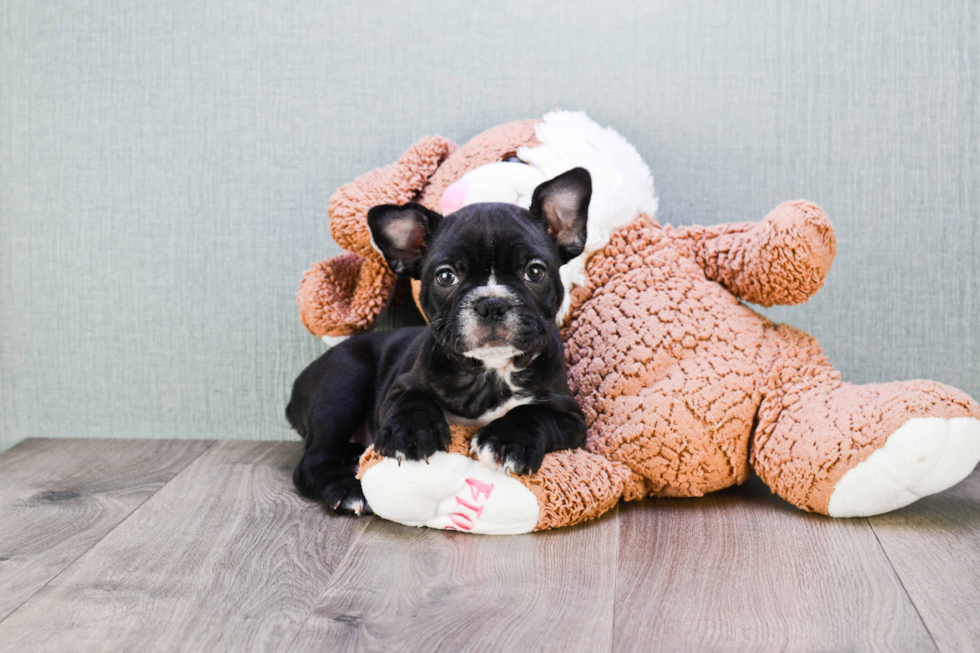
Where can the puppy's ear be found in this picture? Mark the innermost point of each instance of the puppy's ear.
(563, 204)
(401, 234)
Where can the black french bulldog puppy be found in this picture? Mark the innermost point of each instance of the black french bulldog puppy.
(490, 357)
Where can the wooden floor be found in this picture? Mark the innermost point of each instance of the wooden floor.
(117, 545)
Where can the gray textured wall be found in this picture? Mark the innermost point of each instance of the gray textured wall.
(165, 168)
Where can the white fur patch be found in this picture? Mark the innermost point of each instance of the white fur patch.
(492, 289)
(500, 359)
(333, 341)
(490, 415)
(924, 456)
(451, 492)
(357, 505)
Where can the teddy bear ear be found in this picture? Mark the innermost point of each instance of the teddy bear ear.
(563, 204)
(401, 234)
(397, 183)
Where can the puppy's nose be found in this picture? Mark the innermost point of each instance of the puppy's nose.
(491, 308)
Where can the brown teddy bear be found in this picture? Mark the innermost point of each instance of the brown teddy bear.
(686, 390)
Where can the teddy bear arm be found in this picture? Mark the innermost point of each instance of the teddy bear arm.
(783, 259)
(398, 183)
(342, 295)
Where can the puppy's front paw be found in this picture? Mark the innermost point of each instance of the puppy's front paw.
(414, 435)
(510, 449)
(341, 492)
(346, 497)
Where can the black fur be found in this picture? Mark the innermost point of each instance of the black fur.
(398, 387)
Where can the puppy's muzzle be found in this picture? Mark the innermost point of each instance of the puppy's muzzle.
(489, 317)
(492, 310)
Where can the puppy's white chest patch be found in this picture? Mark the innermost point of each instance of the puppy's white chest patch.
(499, 362)
(490, 415)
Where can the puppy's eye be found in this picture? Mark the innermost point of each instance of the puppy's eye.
(535, 271)
(446, 277)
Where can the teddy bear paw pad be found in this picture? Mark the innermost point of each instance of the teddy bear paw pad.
(924, 456)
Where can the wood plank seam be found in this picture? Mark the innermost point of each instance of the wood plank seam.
(96, 542)
(329, 583)
(904, 588)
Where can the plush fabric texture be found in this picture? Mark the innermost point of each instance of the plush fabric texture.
(686, 390)
(782, 260)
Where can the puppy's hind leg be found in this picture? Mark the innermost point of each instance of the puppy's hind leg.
(336, 408)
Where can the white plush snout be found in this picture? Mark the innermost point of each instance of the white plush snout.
(504, 181)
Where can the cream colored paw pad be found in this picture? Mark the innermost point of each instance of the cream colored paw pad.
(451, 492)
(924, 456)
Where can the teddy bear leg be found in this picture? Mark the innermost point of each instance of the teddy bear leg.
(924, 456)
(451, 491)
(855, 451)
(454, 491)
